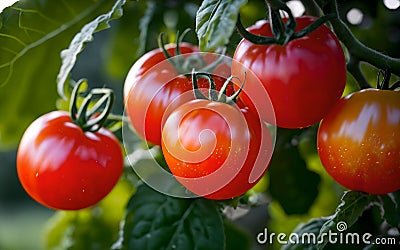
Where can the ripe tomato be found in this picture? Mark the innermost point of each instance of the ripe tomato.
(153, 85)
(62, 167)
(303, 78)
(216, 150)
(359, 141)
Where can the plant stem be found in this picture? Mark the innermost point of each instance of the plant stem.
(353, 66)
(356, 48)
(312, 8)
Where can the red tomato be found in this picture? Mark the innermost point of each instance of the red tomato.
(359, 141)
(154, 86)
(303, 78)
(62, 167)
(216, 150)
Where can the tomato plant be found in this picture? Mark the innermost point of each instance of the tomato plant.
(214, 149)
(304, 78)
(199, 182)
(359, 141)
(63, 167)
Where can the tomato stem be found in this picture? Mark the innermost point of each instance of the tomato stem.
(283, 32)
(184, 65)
(94, 118)
(213, 94)
(256, 39)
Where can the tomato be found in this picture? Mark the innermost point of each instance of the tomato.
(303, 78)
(153, 85)
(359, 141)
(62, 167)
(216, 150)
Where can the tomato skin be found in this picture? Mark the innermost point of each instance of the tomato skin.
(153, 87)
(62, 167)
(216, 150)
(303, 78)
(359, 141)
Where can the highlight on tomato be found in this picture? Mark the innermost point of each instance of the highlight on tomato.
(359, 141)
(304, 77)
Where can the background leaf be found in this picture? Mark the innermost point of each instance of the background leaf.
(352, 206)
(215, 22)
(310, 228)
(32, 35)
(158, 221)
(137, 31)
(391, 208)
(236, 238)
(292, 184)
(69, 56)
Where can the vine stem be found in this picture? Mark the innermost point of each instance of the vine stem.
(357, 50)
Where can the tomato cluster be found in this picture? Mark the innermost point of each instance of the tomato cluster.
(210, 146)
(213, 129)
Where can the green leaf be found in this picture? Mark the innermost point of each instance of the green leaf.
(69, 56)
(156, 221)
(236, 238)
(391, 208)
(32, 35)
(314, 232)
(144, 21)
(352, 206)
(292, 184)
(309, 230)
(215, 22)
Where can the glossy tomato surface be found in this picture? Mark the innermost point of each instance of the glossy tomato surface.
(62, 167)
(303, 78)
(359, 141)
(153, 86)
(215, 150)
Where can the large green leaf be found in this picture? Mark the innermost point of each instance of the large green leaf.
(215, 22)
(69, 56)
(32, 35)
(158, 221)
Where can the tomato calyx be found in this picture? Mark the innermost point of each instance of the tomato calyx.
(186, 64)
(282, 32)
(93, 118)
(384, 84)
(213, 93)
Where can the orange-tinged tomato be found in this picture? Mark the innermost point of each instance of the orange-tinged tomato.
(359, 141)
